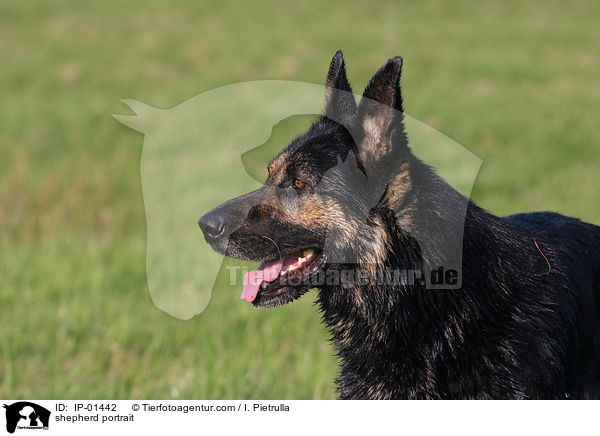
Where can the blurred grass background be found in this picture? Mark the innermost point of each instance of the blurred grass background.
(515, 82)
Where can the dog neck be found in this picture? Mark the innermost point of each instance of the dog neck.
(381, 329)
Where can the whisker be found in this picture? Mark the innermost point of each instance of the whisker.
(276, 246)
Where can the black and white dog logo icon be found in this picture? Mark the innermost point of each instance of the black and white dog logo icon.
(26, 415)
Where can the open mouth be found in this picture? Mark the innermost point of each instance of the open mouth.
(283, 279)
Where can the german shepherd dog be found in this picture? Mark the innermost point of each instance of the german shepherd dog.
(524, 320)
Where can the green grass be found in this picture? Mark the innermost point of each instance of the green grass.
(514, 82)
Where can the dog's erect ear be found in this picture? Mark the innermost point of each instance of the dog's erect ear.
(340, 104)
(384, 86)
(380, 109)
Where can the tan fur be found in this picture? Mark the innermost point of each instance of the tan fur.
(399, 186)
(277, 167)
(375, 144)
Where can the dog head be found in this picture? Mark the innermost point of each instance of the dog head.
(324, 201)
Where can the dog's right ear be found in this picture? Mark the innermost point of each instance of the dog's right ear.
(340, 104)
(380, 110)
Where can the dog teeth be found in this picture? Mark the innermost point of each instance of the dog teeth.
(306, 254)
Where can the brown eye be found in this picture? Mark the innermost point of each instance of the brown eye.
(299, 184)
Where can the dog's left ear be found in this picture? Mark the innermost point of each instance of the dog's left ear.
(340, 104)
(380, 109)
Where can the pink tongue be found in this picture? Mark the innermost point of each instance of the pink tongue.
(252, 280)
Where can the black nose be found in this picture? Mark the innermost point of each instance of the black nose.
(212, 225)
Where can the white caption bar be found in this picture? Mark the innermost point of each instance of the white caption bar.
(296, 417)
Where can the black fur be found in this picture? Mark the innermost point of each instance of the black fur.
(520, 327)
(524, 324)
